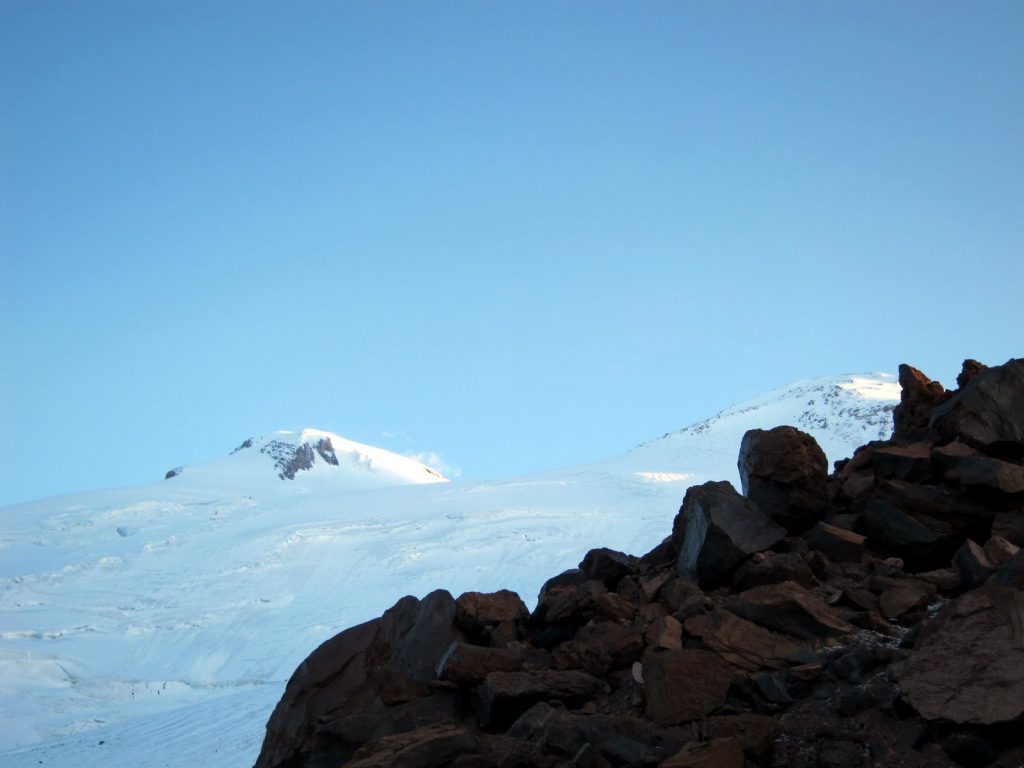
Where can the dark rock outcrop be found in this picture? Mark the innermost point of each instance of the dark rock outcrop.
(716, 529)
(784, 472)
(885, 633)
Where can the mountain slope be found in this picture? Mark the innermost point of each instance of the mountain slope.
(137, 610)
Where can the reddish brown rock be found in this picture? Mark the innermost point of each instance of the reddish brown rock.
(740, 642)
(469, 664)
(680, 686)
(919, 396)
(715, 530)
(504, 696)
(987, 413)
(330, 677)
(608, 566)
(664, 633)
(896, 601)
(838, 544)
(972, 564)
(969, 666)
(431, 746)
(773, 568)
(784, 471)
(476, 610)
(790, 609)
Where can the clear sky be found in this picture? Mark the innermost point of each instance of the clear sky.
(521, 235)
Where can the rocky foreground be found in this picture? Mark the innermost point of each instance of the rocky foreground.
(870, 617)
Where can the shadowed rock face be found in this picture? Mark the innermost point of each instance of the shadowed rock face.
(890, 631)
(784, 472)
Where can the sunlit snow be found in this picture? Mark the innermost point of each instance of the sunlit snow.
(156, 625)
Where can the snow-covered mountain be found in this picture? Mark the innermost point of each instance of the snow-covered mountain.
(156, 625)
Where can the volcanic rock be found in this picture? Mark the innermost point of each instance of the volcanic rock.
(504, 696)
(790, 609)
(716, 529)
(784, 472)
(717, 753)
(740, 642)
(837, 544)
(988, 413)
(919, 395)
(972, 564)
(681, 686)
(431, 746)
(607, 566)
(969, 667)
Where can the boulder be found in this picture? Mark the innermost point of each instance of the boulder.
(893, 532)
(919, 396)
(987, 413)
(1011, 573)
(504, 696)
(740, 642)
(716, 529)
(772, 568)
(790, 609)
(431, 746)
(607, 566)
(912, 462)
(784, 471)
(477, 611)
(413, 636)
(972, 564)
(1010, 526)
(968, 667)
(467, 664)
(837, 544)
(330, 676)
(680, 686)
(968, 371)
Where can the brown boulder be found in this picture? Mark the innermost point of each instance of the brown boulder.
(912, 462)
(680, 686)
(740, 642)
(413, 636)
(331, 676)
(784, 472)
(476, 611)
(988, 413)
(919, 396)
(772, 568)
(715, 530)
(504, 696)
(790, 609)
(431, 746)
(838, 544)
(968, 667)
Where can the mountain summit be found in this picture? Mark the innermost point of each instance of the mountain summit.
(310, 456)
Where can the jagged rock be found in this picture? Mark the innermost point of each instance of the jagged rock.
(970, 468)
(784, 471)
(740, 642)
(998, 550)
(330, 677)
(664, 633)
(717, 753)
(911, 463)
(892, 531)
(837, 544)
(772, 568)
(1011, 573)
(431, 746)
(716, 529)
(790, 609)
(414, 635)
(592, 659)
(968, 667)
(624, 643)
(968, 371)
(919, 396)
(972, 564)
(987, 413)
(612, 606)
(504, 696)
(1010, 525)
(681, 686)
(478, 612)
(469, 664)
(576, 604)
(619, 740)
(607, 566)
(968, 750)
(896, 601)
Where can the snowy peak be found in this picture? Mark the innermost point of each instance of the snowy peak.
(312, 455)
(841, 412)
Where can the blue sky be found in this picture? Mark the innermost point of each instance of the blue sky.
(520, 235)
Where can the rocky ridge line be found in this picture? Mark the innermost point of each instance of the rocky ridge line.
(871, 617)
